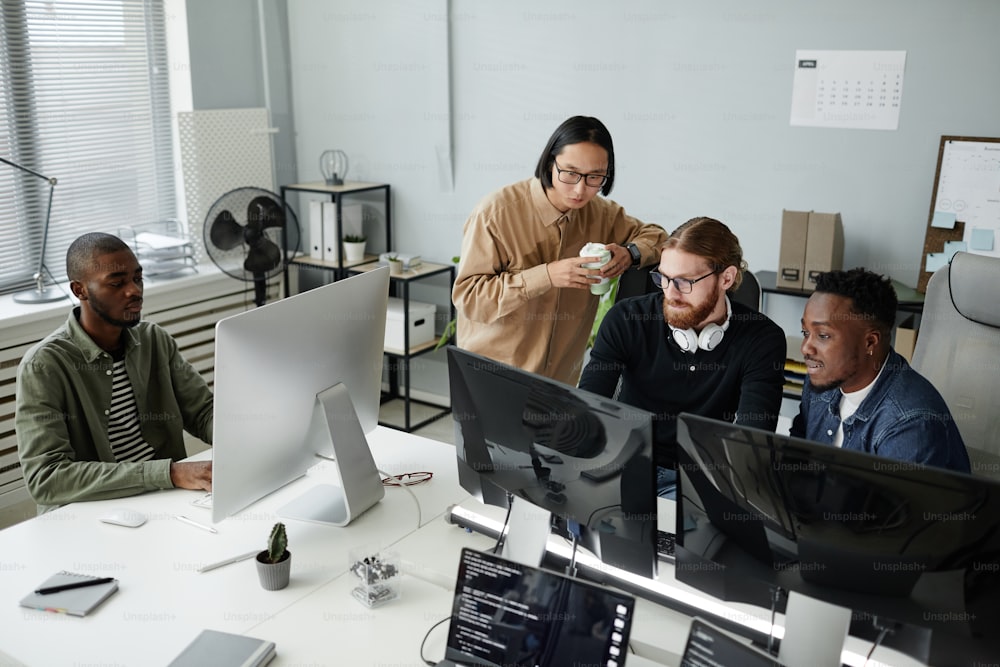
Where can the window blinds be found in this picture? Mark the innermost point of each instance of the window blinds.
(84, 100)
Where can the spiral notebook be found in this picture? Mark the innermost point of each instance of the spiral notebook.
(76, 601)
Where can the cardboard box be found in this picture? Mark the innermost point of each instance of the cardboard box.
(792, 252)
(421, 324)
(824, 246)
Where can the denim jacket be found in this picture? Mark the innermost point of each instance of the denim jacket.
(903, 417)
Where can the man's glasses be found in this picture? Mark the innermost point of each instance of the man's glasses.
(573, 177)
(682, 285)
(407, 479)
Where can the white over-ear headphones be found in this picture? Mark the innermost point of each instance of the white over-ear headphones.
(707, 340)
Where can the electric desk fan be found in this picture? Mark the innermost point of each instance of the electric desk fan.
(251, 235)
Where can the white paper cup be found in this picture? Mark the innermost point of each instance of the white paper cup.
(597, 250)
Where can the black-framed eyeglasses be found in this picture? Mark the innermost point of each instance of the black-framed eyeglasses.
(682, 285)
(573, 177)
(407, 479)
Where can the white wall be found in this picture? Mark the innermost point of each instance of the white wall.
(697, 96)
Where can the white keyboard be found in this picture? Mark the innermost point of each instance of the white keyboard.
(203, 501)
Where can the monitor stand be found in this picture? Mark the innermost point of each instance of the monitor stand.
(815, 632)
(335, 422)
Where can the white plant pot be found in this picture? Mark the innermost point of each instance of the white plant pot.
(354, 252)
(395, 268)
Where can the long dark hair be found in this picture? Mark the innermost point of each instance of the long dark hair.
(576, 130)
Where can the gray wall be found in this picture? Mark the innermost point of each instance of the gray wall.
(448, 100)
(227, 66)
(697, 96)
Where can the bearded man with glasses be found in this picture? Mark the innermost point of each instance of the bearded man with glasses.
(688, 347)
(522, 292)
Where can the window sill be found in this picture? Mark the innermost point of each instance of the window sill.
(22, 322)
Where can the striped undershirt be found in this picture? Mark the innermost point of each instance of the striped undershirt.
(123, 420)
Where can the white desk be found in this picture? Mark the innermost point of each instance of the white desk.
(163, 602)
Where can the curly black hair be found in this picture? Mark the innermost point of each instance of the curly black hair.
(872, 295)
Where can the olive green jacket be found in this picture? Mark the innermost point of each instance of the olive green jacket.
(61, 414)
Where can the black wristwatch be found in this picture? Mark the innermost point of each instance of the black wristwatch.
(633, 250)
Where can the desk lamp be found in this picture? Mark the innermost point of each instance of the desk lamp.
(333, 165)
(42, 293)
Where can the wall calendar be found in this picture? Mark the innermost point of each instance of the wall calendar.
(848, 89)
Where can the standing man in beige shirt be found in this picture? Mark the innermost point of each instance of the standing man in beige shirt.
(522, 293)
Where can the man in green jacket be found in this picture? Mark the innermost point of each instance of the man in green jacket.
(103, 401)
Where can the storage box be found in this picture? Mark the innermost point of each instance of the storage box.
(824, 247)
(421, 324)
(792, 252)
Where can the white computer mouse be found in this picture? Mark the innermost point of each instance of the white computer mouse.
(122, 516)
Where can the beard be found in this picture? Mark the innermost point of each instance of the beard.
(688, 316)
(820, 385)
(103, 313)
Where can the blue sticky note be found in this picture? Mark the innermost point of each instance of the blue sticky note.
(935, 260)
(943, 220)
(981, 239)
(951, 247)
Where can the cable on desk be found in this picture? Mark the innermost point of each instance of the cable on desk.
(777, 592)
(423, 642)
(393, 480)
(503, 529)
(883, 630)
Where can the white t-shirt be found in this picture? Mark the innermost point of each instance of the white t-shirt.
(849, 403)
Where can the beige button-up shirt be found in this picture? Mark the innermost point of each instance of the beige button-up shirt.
(507, 307)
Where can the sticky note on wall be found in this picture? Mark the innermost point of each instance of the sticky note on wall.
(951, 247)
(981, 239)
(935, 260)
(943, 219)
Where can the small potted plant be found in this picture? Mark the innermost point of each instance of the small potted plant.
(395, 265)
(274, 564)
(354, 247)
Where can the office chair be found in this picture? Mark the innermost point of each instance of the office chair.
(749, 292)
(958, 350)
(636, 281)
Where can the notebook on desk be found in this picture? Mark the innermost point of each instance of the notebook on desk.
(506, 613)
(72, 600)
(224, 649)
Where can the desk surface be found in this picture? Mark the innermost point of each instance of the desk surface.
(163, 602)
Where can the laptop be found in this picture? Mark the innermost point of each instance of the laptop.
(506, 613)
(708, 646)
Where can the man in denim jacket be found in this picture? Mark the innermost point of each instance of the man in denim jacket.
(860, 393)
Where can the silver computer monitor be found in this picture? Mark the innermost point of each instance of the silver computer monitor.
(289, 376)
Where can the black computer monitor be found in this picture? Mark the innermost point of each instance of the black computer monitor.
(583, 457)
(910, 544)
